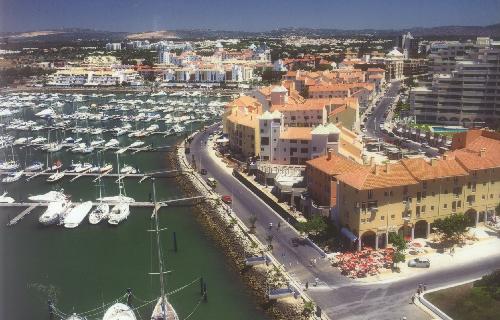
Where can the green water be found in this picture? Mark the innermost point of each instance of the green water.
(85, 267)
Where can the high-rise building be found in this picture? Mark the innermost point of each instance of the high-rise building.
(409, 45)
(465, 86)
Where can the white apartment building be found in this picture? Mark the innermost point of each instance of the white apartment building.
(468, 95)
(113, 46)
(281, 144)
(90, 77)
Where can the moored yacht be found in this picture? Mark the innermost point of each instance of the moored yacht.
(55, 177)
(48, 197)
(13, 177)
(99, 213)
(76, 215)
(119, 213)
(119, 311)
(53, 212)
(111, 143)
(9, 165)
(36, 166)
(5, 199)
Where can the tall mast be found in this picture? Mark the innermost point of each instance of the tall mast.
(160, 260)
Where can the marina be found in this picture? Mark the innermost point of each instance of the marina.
(108, 246)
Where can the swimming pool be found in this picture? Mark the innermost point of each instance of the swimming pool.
(438, 129)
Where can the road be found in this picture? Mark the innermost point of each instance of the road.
(377, 116)
(372, 124)
(338, 296)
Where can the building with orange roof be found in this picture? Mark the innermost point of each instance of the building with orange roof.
(409, 195)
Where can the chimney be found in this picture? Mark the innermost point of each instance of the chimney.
(445, 157)
(371, 161)
(433, 162)
(329, 154)
(482, 152)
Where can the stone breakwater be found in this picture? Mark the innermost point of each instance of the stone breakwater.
(231, 234)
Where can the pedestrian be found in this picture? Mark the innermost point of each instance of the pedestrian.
(413, 299)
(279, 225)
(307, 285)
(418, 291)
(425, 287)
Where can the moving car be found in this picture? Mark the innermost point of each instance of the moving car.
(419, 263)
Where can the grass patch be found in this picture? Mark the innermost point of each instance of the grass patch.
(466, 302)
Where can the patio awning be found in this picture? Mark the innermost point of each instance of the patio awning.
(348, 234)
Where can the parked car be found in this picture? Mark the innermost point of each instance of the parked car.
(212, 182)
(203, 171)
(419, 263)
(227, 199)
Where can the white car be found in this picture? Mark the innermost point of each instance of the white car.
(419, 263)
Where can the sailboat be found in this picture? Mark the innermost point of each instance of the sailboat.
(13, 176)
(5, 199)
(119, 311)
(101, 211)
(121, 198)
(163, 310)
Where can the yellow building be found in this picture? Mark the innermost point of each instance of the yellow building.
(408, 196)
(243, 133)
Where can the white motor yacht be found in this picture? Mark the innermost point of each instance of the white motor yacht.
(119, 311)
(112, 143)
(53, 212)
(5, 199)
(9, 165)
(119, 213)
(84, 167)
(119, 132)
(117, 199)
(96, 143)
(55, 177)
(48, 197)
(38, 140)
(13, 177)
(76, 215)
(128, 170)
(99, 213)
(54, 147)
(20, 141)
(136, 144)
(36, 166)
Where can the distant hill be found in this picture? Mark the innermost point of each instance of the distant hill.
(89, 35)
(152, 35)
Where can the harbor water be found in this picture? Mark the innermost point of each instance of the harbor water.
(88, 267)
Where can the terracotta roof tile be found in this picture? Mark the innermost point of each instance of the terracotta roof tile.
(296, 133)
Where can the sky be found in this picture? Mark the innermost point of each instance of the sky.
(242, 15)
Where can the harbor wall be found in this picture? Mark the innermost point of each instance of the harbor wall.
(231, 234)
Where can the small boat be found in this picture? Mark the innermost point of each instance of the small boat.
(117, 199)
(153, 127)
(112, 143)
(76, 215)
(48, 197)
(13, 177)
(9, 165)
(128, 170)
(136, 144)
(74, 316)
(100, 169)
(55, 177)
(53, 212)
(20, 141)
(5, 199)
(38, 140)
(119, 132)
(54, 147)
(36, 166)
(164, 311)
(119, 311)
(119, 213)
(83, 167)
(96, 143)
(99, 213)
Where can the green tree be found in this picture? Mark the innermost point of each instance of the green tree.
(400, 245)
(452, 228)
(316, 225)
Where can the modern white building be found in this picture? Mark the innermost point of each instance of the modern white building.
(116, 46)
(468, 95)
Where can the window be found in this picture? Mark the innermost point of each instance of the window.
(424, 184)
(474, 187)
(422, 209)
(382, 217)
(386, 194)
(405, 190)
(370, 194)
(264, 141)
(314, 148)
(445, 205)
(432, 208)
(393, 216)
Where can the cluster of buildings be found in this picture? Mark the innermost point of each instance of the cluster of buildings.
(464, 85)
(304, 116)
(96, 71)
(222, 66)
(368, 201)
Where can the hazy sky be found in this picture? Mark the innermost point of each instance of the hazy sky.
(251, 15)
